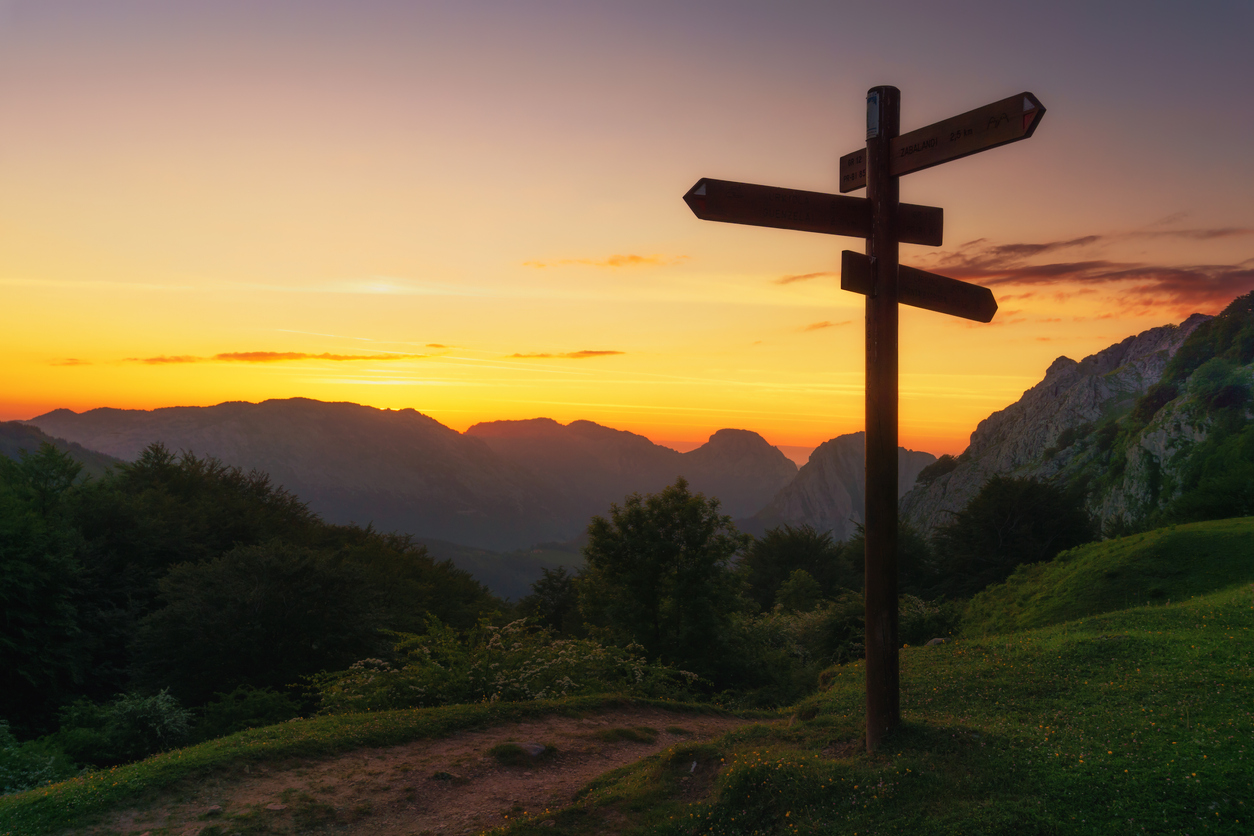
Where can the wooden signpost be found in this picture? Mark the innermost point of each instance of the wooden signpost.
(884, 222)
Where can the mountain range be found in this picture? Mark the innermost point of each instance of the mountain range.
(510, 485)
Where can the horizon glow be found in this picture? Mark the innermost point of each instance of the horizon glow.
(474, 210)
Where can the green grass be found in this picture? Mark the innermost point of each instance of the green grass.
(1139, 721)
(78, 800)
(1168, 564)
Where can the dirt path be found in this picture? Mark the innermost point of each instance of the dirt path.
(447, 787)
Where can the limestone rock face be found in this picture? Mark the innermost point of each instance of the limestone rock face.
(829, 491)
(1014, 441)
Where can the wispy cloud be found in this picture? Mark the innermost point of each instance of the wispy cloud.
(71, 361)
(1182, 287)
(819, 326)
(266, 357)
(802, 277)
(614, 261)
(570, 355)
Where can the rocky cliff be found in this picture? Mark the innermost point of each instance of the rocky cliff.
(1034, 437)
(828, 492)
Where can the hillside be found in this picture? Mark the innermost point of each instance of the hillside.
(828, 493)
(17, 437)
(1063, 428)
(1133, 721)
(1167, 564)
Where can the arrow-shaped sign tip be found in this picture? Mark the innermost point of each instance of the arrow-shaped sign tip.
(695, 198)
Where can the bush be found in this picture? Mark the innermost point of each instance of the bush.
(244, 708)
(511, 663)
(129, 728)
(24, 766)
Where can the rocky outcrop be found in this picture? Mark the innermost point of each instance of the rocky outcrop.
(1023, 438)
(829, 491)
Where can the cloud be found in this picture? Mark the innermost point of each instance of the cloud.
(267, 357)
(818, 326)
(570, 355)
(1184, 287)
(801, 277)
(436, 345)
(614, 261)
(71, 361)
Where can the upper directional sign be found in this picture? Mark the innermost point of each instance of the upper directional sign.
(976, 130)
(921, 289)
(744, 203)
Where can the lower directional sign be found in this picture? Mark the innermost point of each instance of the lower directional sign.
(921, 289)
(833, 214)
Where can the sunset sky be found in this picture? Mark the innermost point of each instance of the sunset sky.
(474, 208)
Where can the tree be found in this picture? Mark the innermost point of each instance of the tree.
(658, 575)
(554, 601)
(771, 559)
(1008, 523)
(258, 615)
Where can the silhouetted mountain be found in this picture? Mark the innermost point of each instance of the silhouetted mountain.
(17, 437)
(829, 491)
(501, 486)
(598, 465)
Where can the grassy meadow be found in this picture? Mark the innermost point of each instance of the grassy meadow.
(1067, 705)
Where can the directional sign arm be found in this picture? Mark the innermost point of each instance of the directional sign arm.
(993, 125)
(745, 203)
(921, 289)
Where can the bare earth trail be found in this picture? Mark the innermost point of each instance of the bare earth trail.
(449, 786)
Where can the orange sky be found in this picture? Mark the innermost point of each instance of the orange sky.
(475, 210)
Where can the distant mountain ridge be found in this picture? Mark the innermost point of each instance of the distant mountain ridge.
(829, 491)
(501, 485)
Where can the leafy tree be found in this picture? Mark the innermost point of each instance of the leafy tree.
(800, 593)
(1008, 523)
(258, 615)
(772, 558)
(658, 575)
(554, 602)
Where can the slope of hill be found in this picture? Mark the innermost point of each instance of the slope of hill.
(1035, 435)
(17, 437)
(1167, 564)
(828, 492)
(1132, 721)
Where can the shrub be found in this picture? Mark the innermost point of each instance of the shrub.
(24, 766)
(511, 663)
(244, 708)
(129, 728)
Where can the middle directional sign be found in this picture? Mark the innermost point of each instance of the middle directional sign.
(833, 214)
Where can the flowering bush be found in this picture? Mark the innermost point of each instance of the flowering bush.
(487, 663)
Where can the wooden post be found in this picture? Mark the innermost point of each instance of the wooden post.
(883, 704)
